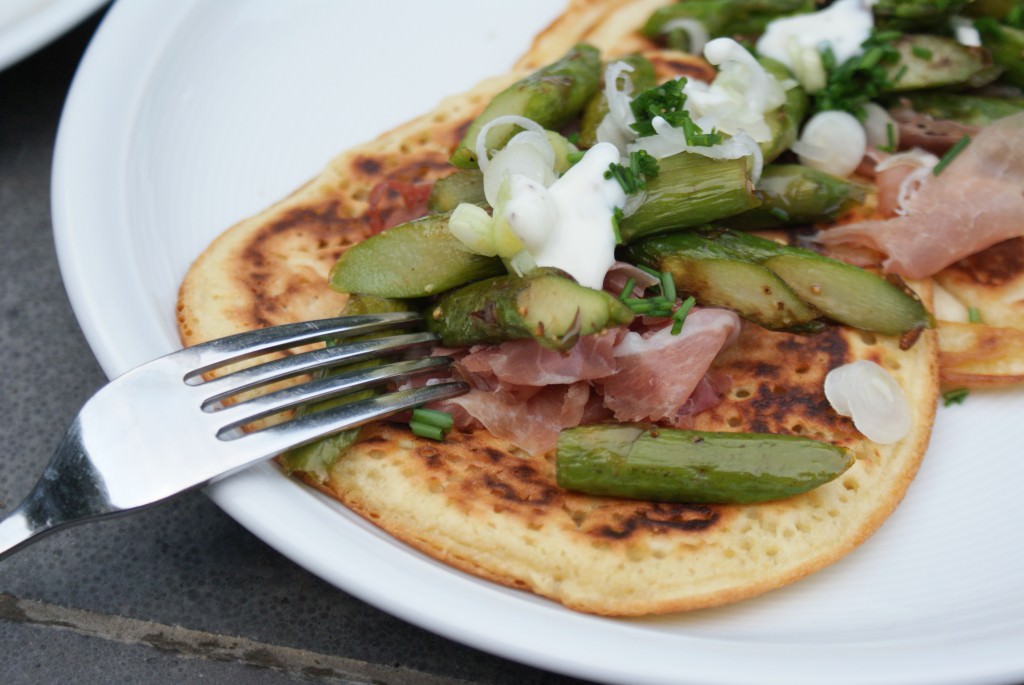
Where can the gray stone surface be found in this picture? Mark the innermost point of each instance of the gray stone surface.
(176, 594)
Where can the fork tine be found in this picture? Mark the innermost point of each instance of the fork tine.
(237, 415)
(210, 355)
(309, 427)
(292, 365)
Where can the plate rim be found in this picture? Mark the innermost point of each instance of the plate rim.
(42, 25)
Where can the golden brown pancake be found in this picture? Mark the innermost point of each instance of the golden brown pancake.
(986, 349)
(486, 507)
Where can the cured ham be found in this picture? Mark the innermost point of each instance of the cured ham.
(659, 372)
(974, 203)
(525, 393)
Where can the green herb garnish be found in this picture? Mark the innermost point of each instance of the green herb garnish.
(633, 178)
(954, 396)
(890, 138)
(973, 315)
(860, 79)
(921, 52)
(679, 316)
(431, 423)
(656, 305)
(951, 154)
(669, 102)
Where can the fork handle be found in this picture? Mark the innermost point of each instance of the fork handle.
(69, 492)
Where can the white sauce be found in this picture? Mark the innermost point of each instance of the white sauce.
(568, 225)
(844, 25)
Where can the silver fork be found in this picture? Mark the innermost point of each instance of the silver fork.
(161, 429)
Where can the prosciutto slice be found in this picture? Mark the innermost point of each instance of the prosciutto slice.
(526, 394)
(974, 203)
(659, 372)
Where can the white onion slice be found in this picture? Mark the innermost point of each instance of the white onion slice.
(529, 154)
(866, 392)
(480, 145)
(877, 125)
(615, 127)
(472, 226)
(833, 142)
(696, 32)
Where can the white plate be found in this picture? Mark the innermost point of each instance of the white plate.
(187, 116)
(27, 25)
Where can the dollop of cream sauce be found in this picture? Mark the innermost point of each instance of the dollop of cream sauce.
(844, 25)
(569, 224)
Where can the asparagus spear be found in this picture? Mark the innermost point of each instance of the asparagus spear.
(1006, 44)
(923, 16)
(690, 190)
(928, 61)
(969, 109)
(716, 277)
(720, 17)
(543, 305)
(793, 195)
(842, 292)
(463, 185)
(414, 259)
(551, 96)
(997, 9)
(671, 465)
(900, 63)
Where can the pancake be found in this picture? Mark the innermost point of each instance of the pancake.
(488, 508)
(986, 349)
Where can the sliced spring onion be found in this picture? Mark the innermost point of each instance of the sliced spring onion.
(866, 393)
(832, 141)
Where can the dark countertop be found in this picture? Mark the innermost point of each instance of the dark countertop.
(180, 593)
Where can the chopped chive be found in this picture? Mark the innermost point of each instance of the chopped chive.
(953, 152)
(921, 52)
(616, 220)
(887, 36)
(573, 157)
(433, 417)
(954, 396)
(779, 213)
(627, 290)
(649, 270)
(679, 316)
(890, 137)
(425, 430)
(871, 58)
(668, 286)
(973, 315)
